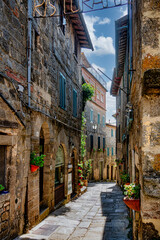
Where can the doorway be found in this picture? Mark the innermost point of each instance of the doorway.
(59, 175)
(73, 174)
(107, 172)
(101, 170)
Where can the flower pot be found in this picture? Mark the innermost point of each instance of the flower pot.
(85, 181)
(34, 168)
(133, 204)
(127, 184)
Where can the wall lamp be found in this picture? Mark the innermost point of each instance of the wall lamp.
(94, 127)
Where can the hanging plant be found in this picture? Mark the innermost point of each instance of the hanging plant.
(88, 92)
(36, 161)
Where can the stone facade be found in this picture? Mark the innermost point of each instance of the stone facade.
(43, 125)
(95, 151)
(111, 152)
(142, 110)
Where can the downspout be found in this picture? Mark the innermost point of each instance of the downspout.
(130, 40)
(29, 46)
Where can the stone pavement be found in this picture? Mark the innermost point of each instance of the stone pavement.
(99, 214)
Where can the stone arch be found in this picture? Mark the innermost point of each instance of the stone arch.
(45, 175)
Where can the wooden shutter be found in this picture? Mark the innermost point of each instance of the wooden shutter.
(99, 143)
(2, 165)
(107, 151)
(98, 118)
(64, 93)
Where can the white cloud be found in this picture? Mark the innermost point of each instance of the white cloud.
(124, 11)
(102, 45)
(96, 67)
(104, 21)
(110, 104)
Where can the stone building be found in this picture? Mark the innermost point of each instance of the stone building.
(40, 109)
(138, 74)
(111, 151)
(95, 113)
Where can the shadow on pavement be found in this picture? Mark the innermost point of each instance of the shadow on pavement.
(116, 213)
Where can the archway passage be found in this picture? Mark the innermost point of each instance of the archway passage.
(73, 174)
(59, 175)
(41, 175)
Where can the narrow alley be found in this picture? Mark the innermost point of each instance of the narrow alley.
(99, 214)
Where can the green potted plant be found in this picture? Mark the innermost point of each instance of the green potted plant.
(87, 168)
(132, 195)
(80, 175)
(125, 178)
(1, 188)
(36, 161)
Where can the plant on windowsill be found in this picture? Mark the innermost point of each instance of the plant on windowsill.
(1, 188)
(132, 193)
(93, 150)
(119, 161)
(99, 150)
(36, 161)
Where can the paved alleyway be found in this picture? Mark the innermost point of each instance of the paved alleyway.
(99, 214)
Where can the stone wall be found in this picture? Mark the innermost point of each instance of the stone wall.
(144, 135)
(52, 54)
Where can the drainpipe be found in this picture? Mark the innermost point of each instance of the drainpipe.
(29, 45)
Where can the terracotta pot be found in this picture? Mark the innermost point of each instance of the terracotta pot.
(85, 182)
(133, 204)
(34, 168)
(127, 184)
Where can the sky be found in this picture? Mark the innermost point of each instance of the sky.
(101, 27)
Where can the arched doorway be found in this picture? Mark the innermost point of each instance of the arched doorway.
(73, 174)
(41, 174)
(59, 175)
(107, 172)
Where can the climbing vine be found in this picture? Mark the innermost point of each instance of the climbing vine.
(88, 92)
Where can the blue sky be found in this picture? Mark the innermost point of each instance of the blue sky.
(101, 27)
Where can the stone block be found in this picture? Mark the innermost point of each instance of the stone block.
(5, 216)
(152, 186)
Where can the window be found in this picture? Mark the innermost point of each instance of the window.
(104, 141)
(112, 151)
(107, 151)
(91, 115)
(2, 165)
(102, 98)
(91, 142)
(98, 95)
(103, 121)
(99, 143)
(62, 20)
(74, 103)
(98, 120)
(111, 132)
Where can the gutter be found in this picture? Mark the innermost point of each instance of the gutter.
(29, 50)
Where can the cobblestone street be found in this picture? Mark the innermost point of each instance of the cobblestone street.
(99, 214)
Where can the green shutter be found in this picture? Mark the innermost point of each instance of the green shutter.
(107, 151)
(98, 118)
(103, 143)
(62, 91)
